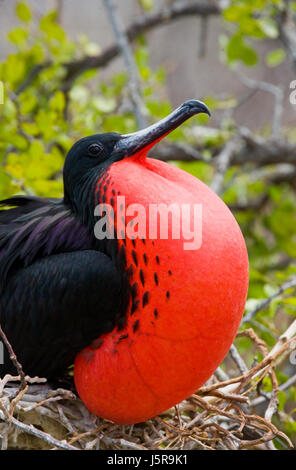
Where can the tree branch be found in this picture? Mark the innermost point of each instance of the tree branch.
(266, 302)
(144, 23)
(14, 360)
(249, 148)
(223, 160)
(287, 31)
(132, 72)
(276, 91)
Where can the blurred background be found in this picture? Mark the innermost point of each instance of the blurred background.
(71, 69)
(189, 49)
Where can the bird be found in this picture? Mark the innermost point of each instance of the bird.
(145, 320)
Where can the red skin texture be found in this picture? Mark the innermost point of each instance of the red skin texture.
(169, 356)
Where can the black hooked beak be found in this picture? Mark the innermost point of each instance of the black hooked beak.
(141, 141)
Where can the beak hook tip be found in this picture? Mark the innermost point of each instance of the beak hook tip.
(197, 107)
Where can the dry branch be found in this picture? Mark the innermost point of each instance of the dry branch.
(284, 287)
(14, 360)
(143, 24)
(278, 94)
(128, 58)
(249, 149)
(223, 161)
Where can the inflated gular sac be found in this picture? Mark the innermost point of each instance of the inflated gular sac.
(188, 294)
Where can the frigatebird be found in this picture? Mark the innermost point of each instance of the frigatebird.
(146, 320)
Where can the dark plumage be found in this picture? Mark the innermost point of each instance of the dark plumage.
(60, 288)
(71, 294)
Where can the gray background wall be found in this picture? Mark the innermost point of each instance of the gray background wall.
(176, 46)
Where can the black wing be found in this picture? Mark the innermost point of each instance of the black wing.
(34, 228)
(57, 292)
(55, 307)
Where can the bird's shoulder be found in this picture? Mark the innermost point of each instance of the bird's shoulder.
(33, 227)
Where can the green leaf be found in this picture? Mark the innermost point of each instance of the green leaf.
(92, 49)
(18, 36)
(275, 57)
(236, 12)
(291, 427)
(13, 69)
(141, 56)
(234, 48)
(30, 128)
(237, 49)
(57, 102)
(147, 4)
(268, 27)
(249, 57)
(105, 105)
(23, 12)
(52, 30)
(6, 186)
(20, 142)
(36, 149)
(27, 103)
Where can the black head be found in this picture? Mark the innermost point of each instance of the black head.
(85, 161)
(89, 157)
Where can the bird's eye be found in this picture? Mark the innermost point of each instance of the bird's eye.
(94, 150)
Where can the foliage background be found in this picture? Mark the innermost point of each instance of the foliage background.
(48, 105)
